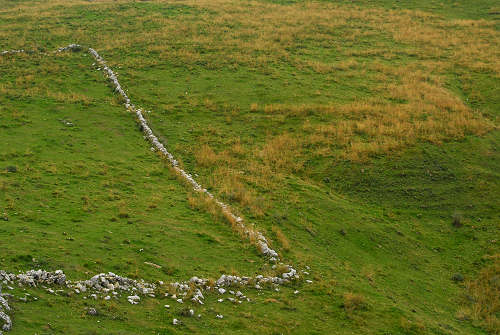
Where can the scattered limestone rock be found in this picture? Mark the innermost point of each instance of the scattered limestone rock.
(92, 311)
(71, 47)
(133, 299)
(4, 307)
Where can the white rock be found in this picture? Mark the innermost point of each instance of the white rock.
(133, 299)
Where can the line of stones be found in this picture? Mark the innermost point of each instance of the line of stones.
(109, 286)
(225, 280)
(252, 234)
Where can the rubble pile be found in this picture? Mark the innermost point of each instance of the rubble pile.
(111, 283)
(4, 308)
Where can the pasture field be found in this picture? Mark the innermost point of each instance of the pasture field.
(361, 137)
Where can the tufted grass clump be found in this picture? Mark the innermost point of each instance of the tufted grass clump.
(353, 302)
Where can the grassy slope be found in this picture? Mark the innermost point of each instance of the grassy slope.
(399, 250)
(87, 198)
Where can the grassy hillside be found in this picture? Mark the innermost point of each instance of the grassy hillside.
(362, 138)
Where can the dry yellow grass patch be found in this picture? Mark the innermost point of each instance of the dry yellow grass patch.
(233, 188)
(41, 91)
(237, 149)
(424, 111)
(413, 327)
(279, 153)
(353, 302)
(427, 112)
(323, 68)
(281, 238)
(201, 201)
(485, 294)
(230, 184)
(71, 97)
(155, 200)
(268, 33)
(206, 156)
(301, 110)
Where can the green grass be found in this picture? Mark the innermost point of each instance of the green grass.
(93, 190)
(86, 198)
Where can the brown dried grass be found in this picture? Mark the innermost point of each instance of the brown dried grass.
(485, 296)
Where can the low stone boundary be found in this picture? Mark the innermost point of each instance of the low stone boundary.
(107, 286)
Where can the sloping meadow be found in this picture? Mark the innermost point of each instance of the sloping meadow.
(81, 189)
(355, 136)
